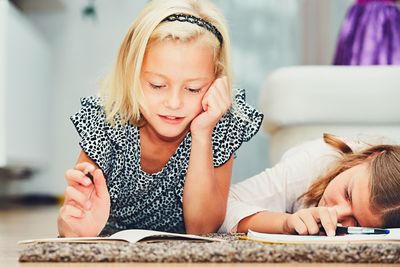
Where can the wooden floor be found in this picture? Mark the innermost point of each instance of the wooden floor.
(32, 223)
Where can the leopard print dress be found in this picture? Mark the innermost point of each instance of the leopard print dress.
(152, 201)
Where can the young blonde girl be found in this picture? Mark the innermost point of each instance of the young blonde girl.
(320, 183)
(160, 139)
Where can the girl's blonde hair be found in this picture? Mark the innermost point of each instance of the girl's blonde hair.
(121, 89)
(384, 166)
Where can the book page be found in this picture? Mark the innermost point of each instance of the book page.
(394, 235)
(131, 235)
(70, 240)
(135, 235)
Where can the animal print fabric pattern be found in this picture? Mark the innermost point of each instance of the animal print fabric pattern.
(152, 201)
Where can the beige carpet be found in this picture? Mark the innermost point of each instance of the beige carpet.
(223, 252)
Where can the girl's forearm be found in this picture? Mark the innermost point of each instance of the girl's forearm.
(203, 203)
(266, 222)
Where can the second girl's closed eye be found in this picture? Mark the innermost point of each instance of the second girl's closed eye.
(347, 193)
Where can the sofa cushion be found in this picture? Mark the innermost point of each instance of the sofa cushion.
(340, 95)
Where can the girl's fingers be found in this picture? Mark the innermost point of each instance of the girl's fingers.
(226, 92)
(333, 215)
(76, 177)
(215, 107)
(75, 195)
(85, 167)
(329, 221)
(68, 211)
(222, 91)
(310, 221)
(215, 103)
(311, 217)
(222, 98)
(70, 202)
(225, 81)
(298, 225)
(100, 184)
(204, 102)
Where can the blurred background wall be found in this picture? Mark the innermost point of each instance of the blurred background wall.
(80, 39)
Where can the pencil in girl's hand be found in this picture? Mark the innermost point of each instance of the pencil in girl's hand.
(346, 230)
(360, 230)
(90, 176)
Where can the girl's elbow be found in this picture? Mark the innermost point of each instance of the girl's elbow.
(203, 227)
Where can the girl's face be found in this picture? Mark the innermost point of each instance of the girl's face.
(175, 76)
(349, 194)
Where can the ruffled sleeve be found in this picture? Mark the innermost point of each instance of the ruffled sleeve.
(238, 125)
(92, 127)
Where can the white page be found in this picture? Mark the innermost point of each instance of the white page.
(69, 240)
(135, 235)
(394, 235)
(131, 235)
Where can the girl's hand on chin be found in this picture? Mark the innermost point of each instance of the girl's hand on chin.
(215, 103)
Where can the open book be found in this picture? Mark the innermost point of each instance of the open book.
(132, 236)
(393, 236)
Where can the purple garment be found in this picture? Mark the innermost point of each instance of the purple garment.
(370, 34)
(369, 1)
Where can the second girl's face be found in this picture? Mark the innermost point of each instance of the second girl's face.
(175, 76)
(350, 195)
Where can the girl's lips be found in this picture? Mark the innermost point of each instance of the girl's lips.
(171, 119)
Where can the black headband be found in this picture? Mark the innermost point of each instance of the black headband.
(195, 20)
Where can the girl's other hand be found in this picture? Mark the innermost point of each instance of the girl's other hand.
(87, 204)
(308, 221)
(215, 103)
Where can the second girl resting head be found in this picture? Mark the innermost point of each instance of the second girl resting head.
(320, 183)
(160, 140)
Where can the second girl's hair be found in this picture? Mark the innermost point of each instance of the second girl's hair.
(384, 169)
(121, 90)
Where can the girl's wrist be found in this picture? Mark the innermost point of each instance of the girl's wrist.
(285, 225)
(204, 135)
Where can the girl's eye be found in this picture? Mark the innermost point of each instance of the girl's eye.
(156, 86)
(194, 90)
(347, 194)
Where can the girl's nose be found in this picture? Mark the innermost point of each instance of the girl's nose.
(174, 100)
(343, 210)
(345, 215)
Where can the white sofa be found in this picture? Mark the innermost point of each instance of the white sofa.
(303, 102)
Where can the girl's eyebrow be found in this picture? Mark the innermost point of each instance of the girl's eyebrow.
(156, 74)
(166, 78)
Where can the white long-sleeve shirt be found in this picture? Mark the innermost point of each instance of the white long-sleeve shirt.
(277, 188)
